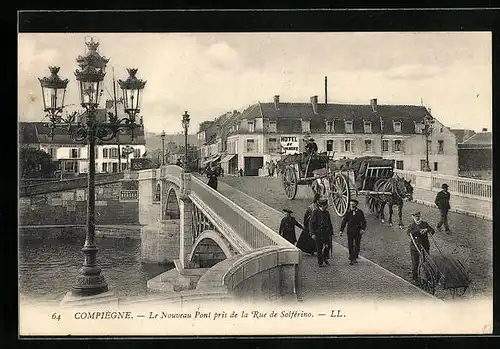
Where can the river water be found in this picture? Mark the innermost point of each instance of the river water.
(48, 267)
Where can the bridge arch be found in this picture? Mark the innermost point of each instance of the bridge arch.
(170, 202)
(209, 249)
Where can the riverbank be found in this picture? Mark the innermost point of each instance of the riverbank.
(70, 231)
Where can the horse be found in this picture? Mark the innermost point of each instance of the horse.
(400, 189)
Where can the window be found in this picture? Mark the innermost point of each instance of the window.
(435, 166)
(124, 166)
(104, 167)
(114, 154)
(250, 145)
(70, 166)
(422, 165)
(115, 167)
(97, 152)
(440, 147)
(251, 126)
(137, 153)
(158, 193)
(52, 152)
(306, 126)
(398, 145)
(329, 145)
(329, 126)
(368, 145)
(272, 145)
(399, 164)
(368, 126)
(385, 145)
(347, 145)
(272, 126)
(348, 127)
(74, 153)
(419, 127)
(105, 153)
(397, 126)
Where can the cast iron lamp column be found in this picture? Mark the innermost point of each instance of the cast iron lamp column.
(89, 130)
(185, 125)
(162, 147)
(427, 131)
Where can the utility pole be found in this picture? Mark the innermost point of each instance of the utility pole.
(118, 133)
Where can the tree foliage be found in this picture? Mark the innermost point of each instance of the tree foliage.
(35, 163)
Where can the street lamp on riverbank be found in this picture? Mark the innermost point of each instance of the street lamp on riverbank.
(428, 123)
(87, 129)
(185, 125)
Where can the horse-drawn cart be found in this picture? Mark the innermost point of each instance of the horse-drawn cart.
(338, 180)
(441, 270)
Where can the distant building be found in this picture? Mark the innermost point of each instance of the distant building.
(72, 156)
(265, 131)
(475, 156)
(462, 134)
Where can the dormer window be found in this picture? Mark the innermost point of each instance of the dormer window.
(419, 127)
(272, 126)
(329, 126)
(367, 126)
(348, 126)
(251, 126)
(306, 126)
(397, 126)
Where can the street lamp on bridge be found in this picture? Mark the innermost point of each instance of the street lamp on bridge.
(127, 151)
(428, 124)
(185, 125)
(163, 147)
(90, 77)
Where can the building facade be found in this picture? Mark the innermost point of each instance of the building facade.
(266, 131)
(475, 156)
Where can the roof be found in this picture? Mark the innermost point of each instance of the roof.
(291, 114)
(462, 134)
(39, 132)
(481, 138)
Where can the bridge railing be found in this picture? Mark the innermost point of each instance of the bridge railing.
(247, 227)
(460, 186)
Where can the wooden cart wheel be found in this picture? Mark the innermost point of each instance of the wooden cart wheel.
(426, 279)
(341, 194)
(289, 181)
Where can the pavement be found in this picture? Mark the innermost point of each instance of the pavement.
(388, 247)
(341, 281)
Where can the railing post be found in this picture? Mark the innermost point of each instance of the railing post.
(185, 184)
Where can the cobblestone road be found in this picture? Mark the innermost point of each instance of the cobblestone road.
(387, 246)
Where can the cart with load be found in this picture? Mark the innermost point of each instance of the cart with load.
(339, 180)
(441, 270)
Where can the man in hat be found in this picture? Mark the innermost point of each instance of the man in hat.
(443, 203)
(321, 230)
(311, 146)
(287, 227)
(212, 174)
(305, 242)
(419, 240)
(356, 225)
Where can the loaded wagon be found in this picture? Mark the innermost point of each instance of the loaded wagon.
(339, 180)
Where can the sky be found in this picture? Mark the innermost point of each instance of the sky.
(209, 74)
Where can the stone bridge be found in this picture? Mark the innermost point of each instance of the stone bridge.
(215, 244)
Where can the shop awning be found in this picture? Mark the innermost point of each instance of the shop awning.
(228, 158)
(212, 159)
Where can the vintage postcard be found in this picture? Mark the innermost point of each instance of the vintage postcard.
(299, 183)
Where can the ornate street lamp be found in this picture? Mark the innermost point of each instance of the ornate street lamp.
(87, 129)
(428, 123)
(162, 147)
(127, 151)
(185, 125)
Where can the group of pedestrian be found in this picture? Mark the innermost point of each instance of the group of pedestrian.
(317, 230)
(270, 168)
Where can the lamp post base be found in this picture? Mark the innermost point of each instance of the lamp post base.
(89, 285)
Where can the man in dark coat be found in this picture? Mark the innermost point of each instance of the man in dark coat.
(418, 232)
(311, 146)
(321, 230)
(287, 227)
(443, 203)
(356, 225)
(305, 242)
(212, 177)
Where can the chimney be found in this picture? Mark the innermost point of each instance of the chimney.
(484, 130)
(373, 103)
(314, 103)
(277, 102)
(326, 90)
(429, 110)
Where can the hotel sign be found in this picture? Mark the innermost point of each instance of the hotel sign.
(289, 144)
